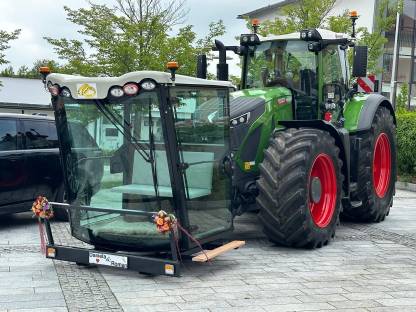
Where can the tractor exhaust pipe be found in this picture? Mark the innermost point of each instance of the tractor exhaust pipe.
(222, 67)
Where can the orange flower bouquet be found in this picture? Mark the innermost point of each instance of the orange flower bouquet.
(41, 208)
(164, 221)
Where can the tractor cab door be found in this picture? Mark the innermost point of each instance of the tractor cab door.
(201, 118)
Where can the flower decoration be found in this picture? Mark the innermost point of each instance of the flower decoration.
(164, 221)
(42, 209)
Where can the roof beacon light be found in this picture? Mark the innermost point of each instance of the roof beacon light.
(117, 92)
(131, 89)
(44, 71)
(256, 24)
(353, 16)
(173, 67)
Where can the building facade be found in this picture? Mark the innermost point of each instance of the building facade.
(404, 73)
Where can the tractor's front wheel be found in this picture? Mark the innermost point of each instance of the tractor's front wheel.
(376, 171)
(300, 188)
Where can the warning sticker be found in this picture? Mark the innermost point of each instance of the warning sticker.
(169, 269)
(87, 90)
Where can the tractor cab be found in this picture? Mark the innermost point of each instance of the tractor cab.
(155, 141)
(312, 64)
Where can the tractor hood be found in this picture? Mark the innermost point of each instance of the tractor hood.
(254, 100)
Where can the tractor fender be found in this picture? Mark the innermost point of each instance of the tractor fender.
(369, 109)
(342, 141)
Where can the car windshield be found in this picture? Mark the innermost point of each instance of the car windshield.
(286, 63)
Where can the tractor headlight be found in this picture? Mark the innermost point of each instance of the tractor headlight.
(117, 92)
(310, 35)
(249, 40)
(148, 85)
(131, 89)
(303, 35)
(66, 93)
(240, 120)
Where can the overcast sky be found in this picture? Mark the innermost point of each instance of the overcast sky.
(39, 18)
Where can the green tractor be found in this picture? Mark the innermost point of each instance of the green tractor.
(306, 146)
(296, 142)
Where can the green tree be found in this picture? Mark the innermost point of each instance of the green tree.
(7, 72)
(5, 38)
(401, 99)
(134, 35)
(305, 14)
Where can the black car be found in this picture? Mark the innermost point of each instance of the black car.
(30, 162)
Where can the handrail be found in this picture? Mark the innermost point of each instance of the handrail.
(110, 210)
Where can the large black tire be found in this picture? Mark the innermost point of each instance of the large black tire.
(375, 204)
(285, 190)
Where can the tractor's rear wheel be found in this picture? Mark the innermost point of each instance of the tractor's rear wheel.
(376, 171)
(300, 188)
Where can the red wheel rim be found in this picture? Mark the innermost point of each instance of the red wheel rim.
(322, 208)
(381, 165)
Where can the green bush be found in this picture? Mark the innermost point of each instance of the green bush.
(406, 143)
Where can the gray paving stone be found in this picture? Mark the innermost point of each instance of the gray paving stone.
(238, 309)
(320, 298)
(299, 307)
(33, 304)
(54, 309)
(352, 304)
(398, 302)
(367, 295)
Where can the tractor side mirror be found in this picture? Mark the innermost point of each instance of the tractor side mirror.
(201, 66)
(359, 66)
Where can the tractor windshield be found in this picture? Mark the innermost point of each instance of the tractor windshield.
(107, 154)
(286, 63)
(115, 157)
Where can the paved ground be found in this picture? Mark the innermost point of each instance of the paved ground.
(367, 268)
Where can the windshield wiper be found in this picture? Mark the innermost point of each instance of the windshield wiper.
(125, 131)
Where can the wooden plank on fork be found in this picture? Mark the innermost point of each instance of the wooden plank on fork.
(210, 254)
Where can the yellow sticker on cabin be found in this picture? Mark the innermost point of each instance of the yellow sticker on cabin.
(247, 165)
(87, 90)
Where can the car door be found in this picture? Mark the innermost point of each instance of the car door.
(42, 158)
(13, 177)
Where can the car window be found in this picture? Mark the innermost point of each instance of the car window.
(8, 135)
(40, 134)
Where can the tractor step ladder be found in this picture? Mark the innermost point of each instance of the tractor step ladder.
(211, 254)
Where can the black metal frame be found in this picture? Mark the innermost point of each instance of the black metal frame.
(136, 262)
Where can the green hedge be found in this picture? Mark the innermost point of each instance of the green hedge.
(406, 143)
